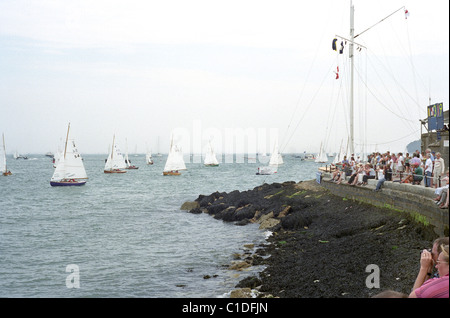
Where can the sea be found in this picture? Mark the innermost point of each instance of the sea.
(124, 235)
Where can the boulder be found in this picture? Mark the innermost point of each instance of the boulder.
(189, 205)
(241, 293)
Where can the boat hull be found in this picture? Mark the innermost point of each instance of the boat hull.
(114, 171)
(67, 183)
(7, 173)
(171, 173)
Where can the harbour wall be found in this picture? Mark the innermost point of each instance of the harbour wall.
(415, 200)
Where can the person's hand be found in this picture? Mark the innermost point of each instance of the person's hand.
(426, 260)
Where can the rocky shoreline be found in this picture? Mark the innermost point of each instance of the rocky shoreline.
(322, 245)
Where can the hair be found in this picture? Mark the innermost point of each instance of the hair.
(445, 252)
(441, 241)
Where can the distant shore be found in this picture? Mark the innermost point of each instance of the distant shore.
(322, 245)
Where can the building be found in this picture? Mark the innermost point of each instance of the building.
(436, 139)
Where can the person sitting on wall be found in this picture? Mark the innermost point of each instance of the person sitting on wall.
(381, 178)
(415, 177)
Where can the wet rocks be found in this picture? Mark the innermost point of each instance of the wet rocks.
(261, 205)
(321, 243)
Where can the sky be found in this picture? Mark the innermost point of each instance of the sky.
(242, 74)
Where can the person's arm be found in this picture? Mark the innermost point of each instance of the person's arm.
(426, 265)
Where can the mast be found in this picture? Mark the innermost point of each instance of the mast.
(67, 138)
(112, 149)
(352, 38)
(4, 152)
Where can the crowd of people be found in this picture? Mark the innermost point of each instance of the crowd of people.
(432, 280)
(427, 166)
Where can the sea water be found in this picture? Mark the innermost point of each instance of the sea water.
(124, 235)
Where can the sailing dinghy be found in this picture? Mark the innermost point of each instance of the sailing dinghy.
(3, 166)
(127, 160)
(175, 162)
(69, 169)
(115, 162)
(210, 157)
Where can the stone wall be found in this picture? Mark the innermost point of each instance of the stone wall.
(415, 200)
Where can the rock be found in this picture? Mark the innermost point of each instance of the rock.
(241, 293)
(238, 266)
(268, 223)
(249, 282)
(190, 205)
(285, 212)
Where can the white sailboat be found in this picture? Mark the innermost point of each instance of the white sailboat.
(127, 160)
(322, 157)
(276, 159)
(115, 162)
(69, 169)
(148, 157)
(3, 167)
(175, 161)
(210, 157)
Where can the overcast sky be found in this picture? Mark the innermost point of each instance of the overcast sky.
(143, 69)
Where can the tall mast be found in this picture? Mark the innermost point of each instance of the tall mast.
(4, 151)
(112, 149)
(352, 37)
(67, 138)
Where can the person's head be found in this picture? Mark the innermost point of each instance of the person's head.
(437, 247)
(442, 261)
(438, 155)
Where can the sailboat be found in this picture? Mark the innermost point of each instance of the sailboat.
(3, 166)
(148, 157)
(69, 170)
(276, 159)
(210, 157)
(127, 160)
(322, 157)
(175, 161)
(115, 162)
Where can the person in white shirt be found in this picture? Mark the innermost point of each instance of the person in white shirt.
(381, 178)
(428, 170)
(400, 163)
(439, 169)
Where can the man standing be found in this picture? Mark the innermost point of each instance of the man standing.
(428, 170)
(400, 163)
(439, 169)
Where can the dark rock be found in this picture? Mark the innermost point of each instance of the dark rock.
(322, 243)
(249, 282)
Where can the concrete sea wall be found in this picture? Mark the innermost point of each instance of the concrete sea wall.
(415, 200)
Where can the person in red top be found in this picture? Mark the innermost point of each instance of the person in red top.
(434, 287)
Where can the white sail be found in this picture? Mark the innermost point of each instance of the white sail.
(322, 157)
(127, 160)
(276, 158)
(3, 168)
(115, 159)
(70, 164)
(210, 156)
(148, 157)
(175, 161)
